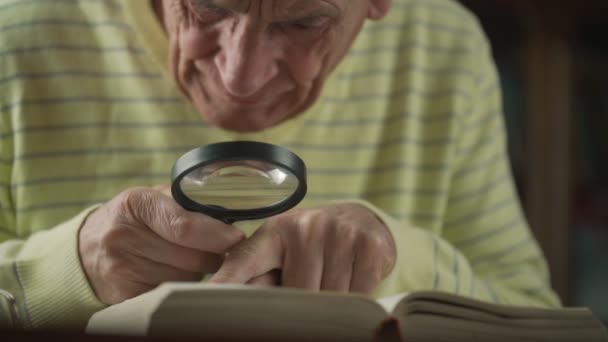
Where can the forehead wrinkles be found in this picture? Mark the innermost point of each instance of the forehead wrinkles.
(274, 9)
(269, 9)
(233, 5)
(282, 8)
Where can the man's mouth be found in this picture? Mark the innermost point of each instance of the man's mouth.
(253, 100)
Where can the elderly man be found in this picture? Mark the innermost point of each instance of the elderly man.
(394, 107)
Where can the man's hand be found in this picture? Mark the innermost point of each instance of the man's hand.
(340, 247)
(142, 238)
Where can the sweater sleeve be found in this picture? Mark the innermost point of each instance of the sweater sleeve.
(45, 276)
(41, 270)
(426, 260)
(483, 247)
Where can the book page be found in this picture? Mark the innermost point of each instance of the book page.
(132, 317)
(502, 310)
(390, 302)
(434, 315)
(237, 312)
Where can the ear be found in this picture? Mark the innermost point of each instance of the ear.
(378, 9)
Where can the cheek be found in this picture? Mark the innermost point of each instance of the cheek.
(308, 63)
(195, 43)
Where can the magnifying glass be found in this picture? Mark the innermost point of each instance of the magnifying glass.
(239, 180)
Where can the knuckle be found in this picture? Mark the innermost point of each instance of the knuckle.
(136, 203)
(130, 197)
(270, 226)
(315, 221)
(376, 243)
(179, 227)
(163, 188)
(132, 192)
(306, 231)
(279, 221)
(273, 228)
(348, 232)
(378, 250)
(321, 218)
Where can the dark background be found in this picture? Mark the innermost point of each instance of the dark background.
(552, 57)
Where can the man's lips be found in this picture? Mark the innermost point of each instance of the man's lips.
(253, 100)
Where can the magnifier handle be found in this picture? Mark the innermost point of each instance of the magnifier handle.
(226, 220)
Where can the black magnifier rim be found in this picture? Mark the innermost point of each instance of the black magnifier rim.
(233, 151)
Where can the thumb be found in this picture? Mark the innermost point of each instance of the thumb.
(165, 189)
(254, 257)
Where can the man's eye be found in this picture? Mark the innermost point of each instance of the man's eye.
(311, 23)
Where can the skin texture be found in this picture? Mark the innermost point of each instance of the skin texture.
(246, 65)
(340, 248)
(142, 238)
(249, 65)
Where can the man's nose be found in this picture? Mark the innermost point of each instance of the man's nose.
(247, 60)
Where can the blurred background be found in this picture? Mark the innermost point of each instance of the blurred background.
(552, 57)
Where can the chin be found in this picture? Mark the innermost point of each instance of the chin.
(241, 122)
(241, 127)
(251, 119)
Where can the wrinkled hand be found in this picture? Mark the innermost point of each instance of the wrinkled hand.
(341, 247)
(142, 238)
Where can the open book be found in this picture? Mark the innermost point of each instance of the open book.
(241, 312)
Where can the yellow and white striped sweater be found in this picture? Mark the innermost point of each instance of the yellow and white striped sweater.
(409, 124)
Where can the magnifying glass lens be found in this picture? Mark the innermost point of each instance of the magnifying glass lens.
(239, 185)
(239, 180)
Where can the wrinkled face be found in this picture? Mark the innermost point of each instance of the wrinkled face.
(251, 64)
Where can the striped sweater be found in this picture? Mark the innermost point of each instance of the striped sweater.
(409, 125)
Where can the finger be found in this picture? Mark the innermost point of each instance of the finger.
(303, 266)
(150, 246)
(165, 189)
(151, 273)
(365, 279)
(338, 263)
(173, 223)
(368, 269)
(251, 258)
